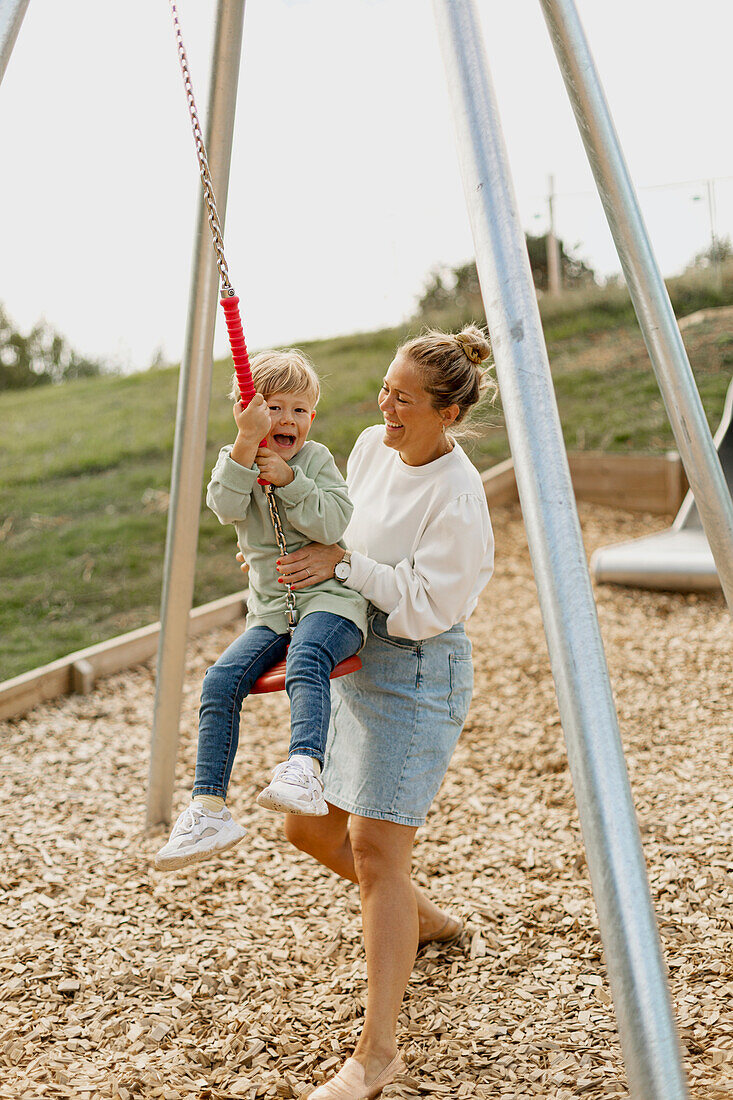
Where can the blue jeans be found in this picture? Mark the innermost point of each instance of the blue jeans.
(321, 640)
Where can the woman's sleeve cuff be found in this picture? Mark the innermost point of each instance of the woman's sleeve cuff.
(361, 570)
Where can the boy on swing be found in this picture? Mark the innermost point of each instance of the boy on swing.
(314, 506)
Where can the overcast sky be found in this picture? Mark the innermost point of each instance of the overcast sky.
(345, 189)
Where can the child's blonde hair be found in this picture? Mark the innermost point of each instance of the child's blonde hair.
(287, 371)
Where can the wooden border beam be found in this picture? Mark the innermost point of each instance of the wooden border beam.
(79, 671)
(636, 483)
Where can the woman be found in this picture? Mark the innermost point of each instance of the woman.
(420, 549)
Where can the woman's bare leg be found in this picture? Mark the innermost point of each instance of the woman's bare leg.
(327, 839)
(382, 852)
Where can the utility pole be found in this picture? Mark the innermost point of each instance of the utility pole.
(714, 252)
(716, 258)
(710, 185)
(554, 271)
(710, 193)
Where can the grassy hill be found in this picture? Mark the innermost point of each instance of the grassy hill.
(86, 466)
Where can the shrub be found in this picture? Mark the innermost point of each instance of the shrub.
(40, 358)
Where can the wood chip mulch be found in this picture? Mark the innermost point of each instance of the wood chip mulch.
(245, 978)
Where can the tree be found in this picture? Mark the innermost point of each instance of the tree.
(575, 272)
(40, 358)
(459, 286)
(436, 294)
(718, 252)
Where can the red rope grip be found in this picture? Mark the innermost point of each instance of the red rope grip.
(239, 348)
(239, 354)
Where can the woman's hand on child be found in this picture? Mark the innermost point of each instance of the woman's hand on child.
(253, 422)
(273, 468)
(309, 565)
(242, 563)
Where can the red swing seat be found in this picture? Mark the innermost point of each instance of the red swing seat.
(274, 678)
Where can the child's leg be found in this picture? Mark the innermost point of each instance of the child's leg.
(320, 642)
(206, 828)
(224, 688)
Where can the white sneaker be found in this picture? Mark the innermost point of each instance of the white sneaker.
(196, 835)
(295, 789)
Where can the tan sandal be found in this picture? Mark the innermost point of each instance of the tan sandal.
(450, 930)
(350, 1081)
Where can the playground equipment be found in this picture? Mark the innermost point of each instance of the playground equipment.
(615, 858)
(11, 18)
(680, 558)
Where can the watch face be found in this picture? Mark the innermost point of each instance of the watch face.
(342, 570)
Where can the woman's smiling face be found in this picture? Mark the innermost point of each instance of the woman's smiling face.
(411, 424)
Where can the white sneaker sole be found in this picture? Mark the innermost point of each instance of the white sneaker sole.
(271, 801)
(183, 859)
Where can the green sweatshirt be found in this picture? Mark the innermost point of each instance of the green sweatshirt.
(314, 507)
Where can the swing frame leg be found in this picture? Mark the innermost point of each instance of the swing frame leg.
(11, 17)
(603, 794)
(191, 422)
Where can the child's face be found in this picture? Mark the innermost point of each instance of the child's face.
(291, 415)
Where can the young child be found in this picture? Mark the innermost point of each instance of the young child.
(314, 507)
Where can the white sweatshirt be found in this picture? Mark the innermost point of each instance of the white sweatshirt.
(420, 536)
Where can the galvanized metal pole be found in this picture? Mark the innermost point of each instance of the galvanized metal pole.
(646, 286)
(610, 832)
(191, 423)
(11, 17)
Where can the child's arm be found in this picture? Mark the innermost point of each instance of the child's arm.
(253, 423)
(229, 492)
(318, 504)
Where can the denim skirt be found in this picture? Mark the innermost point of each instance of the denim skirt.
(395, 723)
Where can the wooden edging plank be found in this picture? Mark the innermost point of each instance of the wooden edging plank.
(81, 669)
(637, 483)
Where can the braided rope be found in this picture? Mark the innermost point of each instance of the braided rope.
(209, 197)
(292, 612)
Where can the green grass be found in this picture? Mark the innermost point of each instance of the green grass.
(86, 466)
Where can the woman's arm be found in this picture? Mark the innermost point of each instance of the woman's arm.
(424, 597)
(421, 598)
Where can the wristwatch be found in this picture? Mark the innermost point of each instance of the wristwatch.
(342, 570)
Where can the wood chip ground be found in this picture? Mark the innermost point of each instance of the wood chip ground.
(245, 977)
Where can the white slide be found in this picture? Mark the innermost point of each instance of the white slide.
(678, 559)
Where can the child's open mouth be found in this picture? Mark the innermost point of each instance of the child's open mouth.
(284, 440)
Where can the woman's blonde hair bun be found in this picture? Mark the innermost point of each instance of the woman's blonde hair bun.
(473, 344)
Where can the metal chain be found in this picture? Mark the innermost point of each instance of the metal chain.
(209, 197)
(210, 201)
(282, 546)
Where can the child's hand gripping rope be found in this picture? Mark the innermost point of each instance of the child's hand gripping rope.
(273, 468)
(253, 420)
